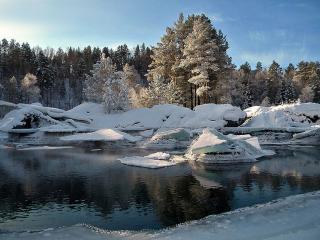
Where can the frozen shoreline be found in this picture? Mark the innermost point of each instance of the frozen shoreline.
(294, 217)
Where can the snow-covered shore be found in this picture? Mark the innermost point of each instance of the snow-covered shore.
(294, 217)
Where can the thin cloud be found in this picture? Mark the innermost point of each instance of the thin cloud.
(21, 31)
(281, 56)
(257, 36)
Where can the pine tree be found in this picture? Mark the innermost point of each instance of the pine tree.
(45, 76)
(274, 82)
(163, 57)
(199, 56)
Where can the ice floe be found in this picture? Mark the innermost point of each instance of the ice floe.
(155, 160)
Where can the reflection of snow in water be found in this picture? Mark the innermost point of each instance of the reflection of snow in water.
(301, 164)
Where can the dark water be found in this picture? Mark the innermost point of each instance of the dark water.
(52, 188)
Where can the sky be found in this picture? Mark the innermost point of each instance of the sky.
(257, 30)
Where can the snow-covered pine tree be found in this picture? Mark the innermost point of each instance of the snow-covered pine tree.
(306, 95)
(164, 56)
(131, 76)
(12, 90)
(199, 56)
(30, 92)
(116, 93)
(287, 91)
(94, 86)
(265, 102)
(316, 88)
(161, 92)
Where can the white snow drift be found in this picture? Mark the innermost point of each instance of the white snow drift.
(283, 116)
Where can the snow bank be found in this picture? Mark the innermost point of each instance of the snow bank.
(155, 160)
(161, 116)
(92, 116)
(106, 135)
(292, 218)
(287, 115)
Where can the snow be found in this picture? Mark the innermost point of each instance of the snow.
(287, 115)
(146, 162)
(153, 161)
(108, 135)
(292, 218)
(160, 116)
(178, 134)
(43, 148)
(159, 156)
(207, 139)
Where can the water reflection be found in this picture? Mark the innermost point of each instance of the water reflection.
(61, 188)
(41, 189)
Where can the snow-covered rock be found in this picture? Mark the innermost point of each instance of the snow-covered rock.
(169, 139)
(213, 147)
(147, 133)
(103, 135)
(311, 137)
(178, 134)
(35, 116)
(287, 115)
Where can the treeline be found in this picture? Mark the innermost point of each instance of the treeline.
(60, 74)
(189, 66)
(193, 56)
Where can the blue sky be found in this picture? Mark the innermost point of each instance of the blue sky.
(287, 31)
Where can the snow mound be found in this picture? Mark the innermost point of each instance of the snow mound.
(287, 115)
(155, 160)
(108, 135)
